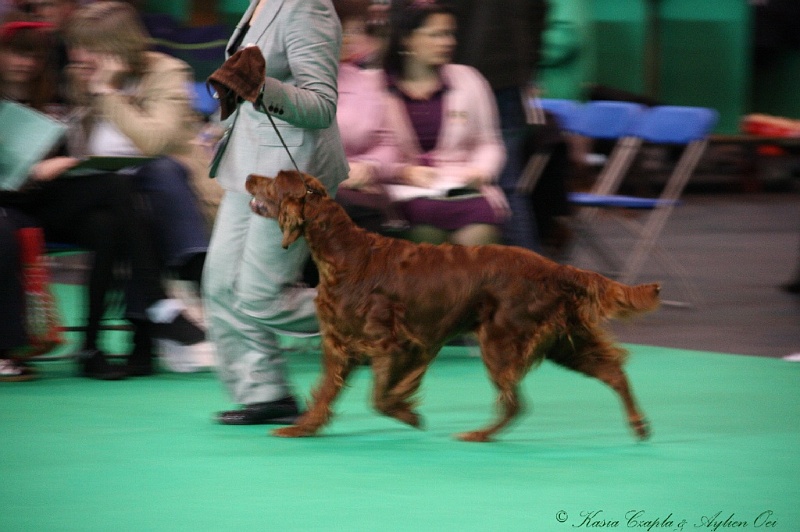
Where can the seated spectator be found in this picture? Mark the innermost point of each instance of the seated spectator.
(137, 102)
(446, 127)
(57, 13)
(501, 39)
(361, 116)
(93, 211)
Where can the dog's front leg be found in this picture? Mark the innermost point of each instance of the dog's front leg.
(397, 379)
(337, 365)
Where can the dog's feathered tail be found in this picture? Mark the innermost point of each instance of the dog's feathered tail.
(623, 301)
(609, 299)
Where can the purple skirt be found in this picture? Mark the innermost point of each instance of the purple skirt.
(449, 214)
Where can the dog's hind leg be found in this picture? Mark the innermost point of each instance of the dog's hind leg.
(337, 365)
(595, 356)
(506, 369)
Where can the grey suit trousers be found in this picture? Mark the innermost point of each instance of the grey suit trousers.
(249, 299)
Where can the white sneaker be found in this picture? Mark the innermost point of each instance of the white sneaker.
(180, 358)
(794, 357)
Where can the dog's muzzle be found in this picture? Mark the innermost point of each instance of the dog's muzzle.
(258, 207)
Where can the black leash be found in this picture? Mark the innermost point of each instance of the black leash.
(261, 108)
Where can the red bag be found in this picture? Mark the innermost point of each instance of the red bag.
(41, 313)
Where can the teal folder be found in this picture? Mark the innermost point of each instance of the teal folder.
(26, 137)
(107, 163)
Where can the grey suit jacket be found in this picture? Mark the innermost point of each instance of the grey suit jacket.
(300, 41)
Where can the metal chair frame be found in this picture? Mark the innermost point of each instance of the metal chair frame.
(661, 125)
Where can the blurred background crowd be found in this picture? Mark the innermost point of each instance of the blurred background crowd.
(128, 81)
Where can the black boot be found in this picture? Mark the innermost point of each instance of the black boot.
(94, 365)
(140, 362)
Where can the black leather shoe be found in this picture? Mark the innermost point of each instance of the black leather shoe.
(281, 412)
(94, 365)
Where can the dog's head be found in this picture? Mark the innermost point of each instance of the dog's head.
(283, 198)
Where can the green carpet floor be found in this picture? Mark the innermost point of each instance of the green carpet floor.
(144, 455)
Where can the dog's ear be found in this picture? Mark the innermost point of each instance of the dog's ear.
(290, 220)
(290, 183)
(291, 191)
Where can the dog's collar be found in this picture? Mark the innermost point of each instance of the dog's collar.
(310, 190)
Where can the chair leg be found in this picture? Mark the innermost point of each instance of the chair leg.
(657, 220)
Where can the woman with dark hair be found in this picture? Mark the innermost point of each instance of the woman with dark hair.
(446, 128)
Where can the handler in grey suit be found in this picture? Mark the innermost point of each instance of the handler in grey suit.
(248, 278)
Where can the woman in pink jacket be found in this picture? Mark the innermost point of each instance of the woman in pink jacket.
(363, 122)
(447, 131)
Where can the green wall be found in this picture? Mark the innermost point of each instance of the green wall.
(703, 53)
(618, 43)
(229, 11)
(179, 9)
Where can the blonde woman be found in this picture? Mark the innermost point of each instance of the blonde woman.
(136, 102)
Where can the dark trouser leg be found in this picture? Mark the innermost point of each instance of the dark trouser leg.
(12, 314)
(520, 229)
(97, 231)
(171, 209)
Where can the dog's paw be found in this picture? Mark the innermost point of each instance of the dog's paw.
(293, 431)
(409, 417)
(480, 436)
(641, 428)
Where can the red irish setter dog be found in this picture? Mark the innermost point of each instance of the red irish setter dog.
(398, 302)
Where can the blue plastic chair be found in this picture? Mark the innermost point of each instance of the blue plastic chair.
(608, 120)
(202, 47)
(565, 111)
(664, 125)
(611, 121)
